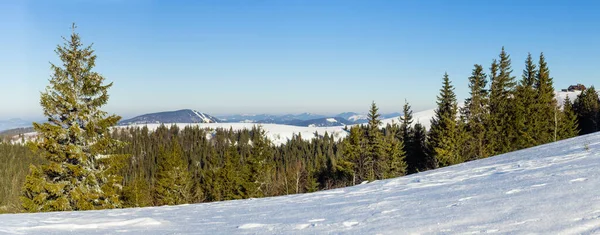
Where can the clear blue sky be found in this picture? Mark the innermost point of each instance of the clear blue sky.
(289, 56)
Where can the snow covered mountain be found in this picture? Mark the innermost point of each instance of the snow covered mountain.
(179, 116)
(322, 122)
(246, 118)
(354, 117)
(549, 189)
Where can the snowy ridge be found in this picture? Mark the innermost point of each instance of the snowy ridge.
(549, 189)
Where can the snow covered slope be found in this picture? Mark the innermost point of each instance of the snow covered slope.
(549, 189)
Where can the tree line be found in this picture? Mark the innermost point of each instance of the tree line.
(78, 163)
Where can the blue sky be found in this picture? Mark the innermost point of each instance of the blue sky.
(276, 57)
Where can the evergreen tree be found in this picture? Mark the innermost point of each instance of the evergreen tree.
(501, 103)
(546, 110)
(445, 136)
(476, 114)
(354, 152)
(80, 173)
(173, 182)
(376, 149)
(568, 122)
(406, 135)
(526, 97)
(424, 160)
(137, 193)
(587, 107)
(395, 165)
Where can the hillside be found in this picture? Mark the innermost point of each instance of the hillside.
(179, 116)
(549, 189)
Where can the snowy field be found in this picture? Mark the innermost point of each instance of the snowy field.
(549, 189)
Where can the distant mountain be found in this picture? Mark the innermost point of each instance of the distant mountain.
(287, 119)
(354, 117)
(246, 118)
(390, 115)
(323, 122)
(179, 116)
(14, 123)
(302, 116)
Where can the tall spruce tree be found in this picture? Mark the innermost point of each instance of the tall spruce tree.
(81, 171)
(444, 136)
(502, 115)
(526, 105)
(546, 109)
(587, 107)
(476, 114)
(406, 135)
(376, 149)
(395, 165)
(354, 152)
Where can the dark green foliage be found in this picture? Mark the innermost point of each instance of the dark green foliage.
(173, 182)
(15, 160)
(568, 121)
(475, 114)
(406, 134)
(501, 104)
(376, 147)
(446, 136)
(80, 173)
(587, 107)
(525, 107)
(423, 159)
(546, 109)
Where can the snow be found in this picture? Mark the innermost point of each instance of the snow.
(277, 133)
(357, 117)
(549, 189)
(331, 120)
(202, 116)
(424, 117)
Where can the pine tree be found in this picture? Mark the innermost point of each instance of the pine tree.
(476, 114)
(76, 141)
(526, 104)
(568, 122)
(376, 150)
(546, 109)
(587, 107)
(173, 181)
(445, 136)
(502, 110)
(354, 152)
(406, 135)
(137, 193)
(423, 159)
(395, 165)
